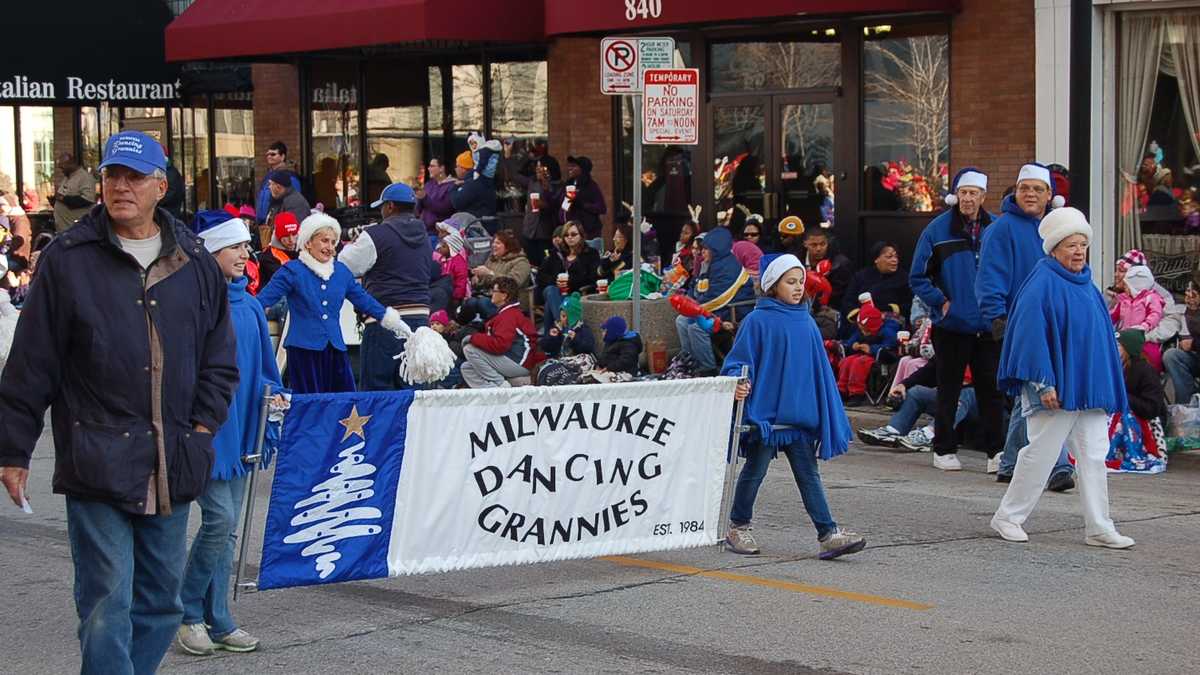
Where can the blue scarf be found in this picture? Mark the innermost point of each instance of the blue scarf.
(791, 380)
(256, 367)
(1060, 334)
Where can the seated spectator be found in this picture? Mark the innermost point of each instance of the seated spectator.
(884, 279)
(1140, 307)
(1183, 361)
(1136, 439)
(620, 258)
(570, 336)
(916, 351)
(873, 338)
(722, 283)
(507, 347)
(821, 256)
(507, 260)
(578, 262)
(455, 283)
(918, 393)
(618, 362)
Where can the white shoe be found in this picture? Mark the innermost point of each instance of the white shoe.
(193, 639)
(947, 462)
(1009, 531)
(1112, 539)
(994, 463)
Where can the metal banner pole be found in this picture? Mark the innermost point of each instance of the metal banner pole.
(248, 500)
(731, 467)
(637, 212)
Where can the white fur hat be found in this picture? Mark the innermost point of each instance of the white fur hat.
(315, 222)
(1060, 224)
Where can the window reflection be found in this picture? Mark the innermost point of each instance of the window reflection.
(335, 134)
(468, 104)
(398, 123)
(520, 120)
(233, 124)
(814, 61)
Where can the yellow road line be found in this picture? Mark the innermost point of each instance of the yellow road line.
(768, 583)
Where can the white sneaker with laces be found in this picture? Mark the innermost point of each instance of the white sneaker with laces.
(993, 465)
(947, 462)
(1112, 539)
(193, 639)
(1009, 531)
(919, 440)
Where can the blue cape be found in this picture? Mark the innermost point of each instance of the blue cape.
(1060, 334)
(256, 368)
(791, 380)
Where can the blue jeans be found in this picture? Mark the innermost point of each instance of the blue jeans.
(553, 305)
(1018, 437)
(128, 571)
(205, 593)
(697, 342)
(1182, 367)
(380, 371)
(919, 399)
(803, 460)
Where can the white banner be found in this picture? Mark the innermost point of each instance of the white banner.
(533, 474)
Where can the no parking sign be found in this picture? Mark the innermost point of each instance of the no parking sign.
(671, 109)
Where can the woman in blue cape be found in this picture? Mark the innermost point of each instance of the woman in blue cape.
(208, 625)
(792, 404)
(1061, 361)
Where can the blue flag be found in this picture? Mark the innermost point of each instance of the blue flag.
(334, 493)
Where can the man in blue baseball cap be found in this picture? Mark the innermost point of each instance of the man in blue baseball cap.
(126, 333)
(395, 261)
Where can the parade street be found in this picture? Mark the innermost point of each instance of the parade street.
(936, 591)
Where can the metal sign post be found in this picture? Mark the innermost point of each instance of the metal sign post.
(637, 212)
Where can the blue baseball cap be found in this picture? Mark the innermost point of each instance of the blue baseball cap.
(396, 192)
(135, 150)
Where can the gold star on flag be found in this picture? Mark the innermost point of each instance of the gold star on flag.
(354, 424)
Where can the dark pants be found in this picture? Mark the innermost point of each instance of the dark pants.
(323, 372)
(803, 460)
(380, 369)
(953, 353)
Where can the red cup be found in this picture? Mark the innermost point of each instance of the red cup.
(571, 192)
(535, 202)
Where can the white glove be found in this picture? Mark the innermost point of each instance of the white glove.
(646, 226)
(391, 320)
(278, 407)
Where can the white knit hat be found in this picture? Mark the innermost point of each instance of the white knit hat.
(776, 268)
(1060, 224)
(453, 241)
(313, 223)
(225, 234)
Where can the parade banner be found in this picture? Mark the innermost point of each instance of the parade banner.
(375, 484)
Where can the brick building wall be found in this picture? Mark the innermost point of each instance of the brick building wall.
(992, 93)
(276, 112)
(580, 116)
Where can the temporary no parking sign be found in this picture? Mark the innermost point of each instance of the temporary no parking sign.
(624, 60)
(671, 106)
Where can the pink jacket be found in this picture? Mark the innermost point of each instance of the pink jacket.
(455, 267)
(1142, 312)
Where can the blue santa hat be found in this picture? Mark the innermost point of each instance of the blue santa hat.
(1035, 171)
(220, 231)
(966, 177)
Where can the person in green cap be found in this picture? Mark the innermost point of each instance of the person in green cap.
(570, 336)
(1137, 443)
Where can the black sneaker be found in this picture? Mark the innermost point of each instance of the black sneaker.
(1061, 482)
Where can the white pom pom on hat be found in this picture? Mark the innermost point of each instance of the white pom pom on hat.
(966, 177)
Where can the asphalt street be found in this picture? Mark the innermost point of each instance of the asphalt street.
(934, 592)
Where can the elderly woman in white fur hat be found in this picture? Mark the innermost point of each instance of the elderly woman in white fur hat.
(1060, 359)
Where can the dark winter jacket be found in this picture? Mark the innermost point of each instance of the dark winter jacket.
(128, 361)
(945, 266)
(586, 208)
(581, 274)
(579, 341)
(1011, 247)
(402, 265)
(435, 206)
(611, 270)
(477, 195)
(621, 355)
(262, 204)
(1144, 388)
(724, 282)
(885, 290)
(293, 202)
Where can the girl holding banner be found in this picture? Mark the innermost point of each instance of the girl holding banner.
(793, 408)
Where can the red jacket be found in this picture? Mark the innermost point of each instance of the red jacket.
(510, 333)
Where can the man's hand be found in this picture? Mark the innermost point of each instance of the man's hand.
(946, 308)
(743, 391)
(898, 391)
(202, 429)
(1050, 399)
(15, 479)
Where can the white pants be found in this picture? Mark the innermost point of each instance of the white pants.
(1086, 436)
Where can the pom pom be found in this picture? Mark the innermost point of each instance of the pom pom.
(426, 357)
(1058, 202)
(951, 199)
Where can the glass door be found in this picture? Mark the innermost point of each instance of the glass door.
(741, 158)
(805, 178)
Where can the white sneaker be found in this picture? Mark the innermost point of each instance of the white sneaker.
(947, 462)
(1009, 531)
(994, 463)
(1112, 539)
(918, 440)
(193, 639)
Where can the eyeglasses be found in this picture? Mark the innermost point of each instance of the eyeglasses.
(571, 235)
(271, 153)
(1032, 189)
(132, 178)
(752, 235)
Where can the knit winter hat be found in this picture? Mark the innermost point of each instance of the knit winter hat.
(225, 234)
(230, 209)
(774, 266)
(573, 306)
(247, 211)
(286, 225)
(281, 177)
(464, 160)
(966, 177)
(1132, 257)
(791, 226)
(1134, 341)
(315, 223)
(1139, 278)
(1060, 224)
(440, 316)
(453, 240)
(614, 329)
(869, 317)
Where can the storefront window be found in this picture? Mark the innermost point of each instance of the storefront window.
(520, 120)
(37, 155)
(813, 61)
(468, 104)
(335, 174)
(906, 105)
(398, 124)
(233, 124)
(8, 151)
(193, 150)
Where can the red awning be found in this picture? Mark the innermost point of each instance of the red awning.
(592, 17)
(215, 29)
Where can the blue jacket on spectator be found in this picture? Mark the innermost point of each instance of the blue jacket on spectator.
(262, 205)
(886, 338)
(1011, 247)
(944, 267)
(316, 304)
(719, 286)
